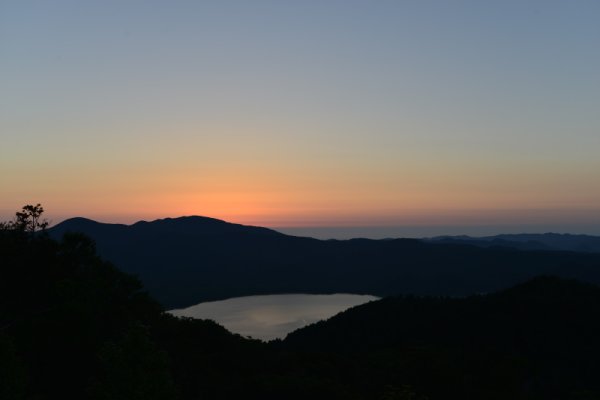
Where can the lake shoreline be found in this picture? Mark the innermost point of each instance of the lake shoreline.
(269, 317)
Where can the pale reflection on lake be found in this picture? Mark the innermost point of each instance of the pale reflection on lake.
(272, 316)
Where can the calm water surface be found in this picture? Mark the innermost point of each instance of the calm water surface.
(273, 316)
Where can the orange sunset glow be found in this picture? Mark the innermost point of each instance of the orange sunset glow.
(283, 130)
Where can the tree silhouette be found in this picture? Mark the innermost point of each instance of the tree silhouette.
(29, 218)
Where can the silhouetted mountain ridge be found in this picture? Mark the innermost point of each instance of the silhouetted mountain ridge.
(196, 225)
(183, 261)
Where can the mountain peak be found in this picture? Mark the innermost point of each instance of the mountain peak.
(78, 220)
(189, 225)
(195, 224)
(187, 219)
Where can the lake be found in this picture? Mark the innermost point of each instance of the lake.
(272, 316)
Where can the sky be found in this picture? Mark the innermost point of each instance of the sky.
(378, 114)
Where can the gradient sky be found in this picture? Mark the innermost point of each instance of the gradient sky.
(304, 113)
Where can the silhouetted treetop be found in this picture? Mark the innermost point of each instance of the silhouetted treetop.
(29, 220)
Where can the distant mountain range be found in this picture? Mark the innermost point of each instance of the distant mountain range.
(183, 261)
(529, 241)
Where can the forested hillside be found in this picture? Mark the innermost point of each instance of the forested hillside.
(72, 326)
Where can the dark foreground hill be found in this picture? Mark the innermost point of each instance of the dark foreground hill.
(187, 260)
(536, 340)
